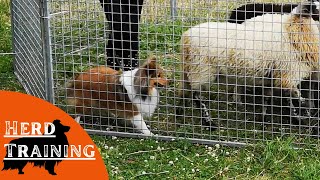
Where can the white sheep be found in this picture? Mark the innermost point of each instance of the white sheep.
(284, 48)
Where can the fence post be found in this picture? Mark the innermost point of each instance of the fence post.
(46, 49)
(173, 7)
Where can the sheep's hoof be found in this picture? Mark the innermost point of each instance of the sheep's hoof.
(53, 173)
(295, 120)
(307, 113)
(209, 124)
(294, 112)
(211, 128)
(303, 102)
(295, 117)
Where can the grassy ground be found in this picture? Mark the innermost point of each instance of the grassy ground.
(150, 159)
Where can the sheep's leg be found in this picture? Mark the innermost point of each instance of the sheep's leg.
(296, 93)
(182, 103)
(294, 110)
(316, 98)
(315, 104)
(184, 94)
(305, 103)
(309, 102)
(266, 101)
(239, 95)
(205, 114)
(310, 99)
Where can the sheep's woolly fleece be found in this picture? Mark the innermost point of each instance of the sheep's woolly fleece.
(284, 45)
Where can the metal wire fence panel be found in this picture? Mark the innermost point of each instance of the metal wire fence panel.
(219, 75)
(27, 45)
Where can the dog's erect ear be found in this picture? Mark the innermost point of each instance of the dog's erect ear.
(141, 82)
(142, 78)
(150, 66)
(152, 62)
(56, 121)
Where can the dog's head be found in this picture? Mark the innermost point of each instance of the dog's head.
(59, 128)
(308, 9)
(150, 75)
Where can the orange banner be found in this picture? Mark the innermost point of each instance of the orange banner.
(39, 140)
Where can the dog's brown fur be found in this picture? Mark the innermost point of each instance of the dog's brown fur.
(100, 88)
(97, 88)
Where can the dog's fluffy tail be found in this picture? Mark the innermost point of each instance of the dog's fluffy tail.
(9, 164)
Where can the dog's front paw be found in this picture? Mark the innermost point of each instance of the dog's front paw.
(147, 132)
(77, 119)
(53, 173)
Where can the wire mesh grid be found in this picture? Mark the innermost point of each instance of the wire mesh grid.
(28, 46)
(7, 79)
(241, 107)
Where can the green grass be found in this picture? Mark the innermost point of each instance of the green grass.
(7, 79)
(149, 159)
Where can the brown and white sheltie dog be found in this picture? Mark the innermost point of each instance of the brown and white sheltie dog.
(131, 95)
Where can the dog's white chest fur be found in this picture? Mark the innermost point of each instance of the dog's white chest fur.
(146, 106)
(149, 105)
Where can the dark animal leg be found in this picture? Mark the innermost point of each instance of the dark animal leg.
(49, 166)
(181, 105)
(205, 114)
(20, 171)
(296, 94)
(295, 119)
(315, 129)
(316, 95)
(310, 100)
(266, 100)
(294, 111)
(312, 106)
(239, 96)
(184, 97)
(21, 166)
(305, 104)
